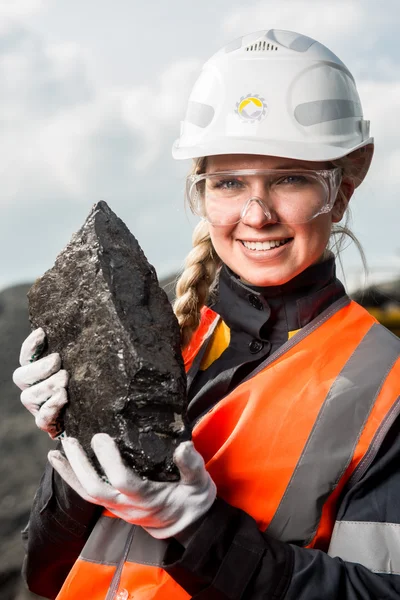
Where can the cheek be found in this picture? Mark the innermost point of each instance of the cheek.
(225, 245)
(314, 236)
(221, 238)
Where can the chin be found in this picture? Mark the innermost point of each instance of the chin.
(264, 280)
(271, 275)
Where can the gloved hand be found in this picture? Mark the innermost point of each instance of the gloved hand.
(164, 509)
(42, 382)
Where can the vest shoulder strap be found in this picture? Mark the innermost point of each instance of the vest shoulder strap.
(208, 319)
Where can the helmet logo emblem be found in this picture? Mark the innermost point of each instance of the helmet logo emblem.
(251, 108)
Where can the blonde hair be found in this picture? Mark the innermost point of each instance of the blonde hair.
(350, 166)
(202, 263)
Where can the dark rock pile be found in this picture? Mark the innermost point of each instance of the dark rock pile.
(23, 447)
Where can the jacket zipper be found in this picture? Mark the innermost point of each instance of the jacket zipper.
(112, 590)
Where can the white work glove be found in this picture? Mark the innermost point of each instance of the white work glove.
(42, 382)
(164, 509)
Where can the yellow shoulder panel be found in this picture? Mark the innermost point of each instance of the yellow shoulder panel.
(220, 341)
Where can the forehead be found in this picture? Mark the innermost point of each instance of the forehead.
(226, 162)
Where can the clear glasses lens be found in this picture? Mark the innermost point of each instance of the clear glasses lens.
(285, 196)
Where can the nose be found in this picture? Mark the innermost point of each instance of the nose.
(255, 213)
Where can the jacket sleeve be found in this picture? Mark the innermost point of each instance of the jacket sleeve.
(228, 557)
(59, 525)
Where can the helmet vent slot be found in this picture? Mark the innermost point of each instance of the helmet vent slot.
(261, 46)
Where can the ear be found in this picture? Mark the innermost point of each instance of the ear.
(344, 194)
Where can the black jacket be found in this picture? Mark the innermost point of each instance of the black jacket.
(227, 556)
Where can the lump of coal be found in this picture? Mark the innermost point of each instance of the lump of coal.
(104, 312)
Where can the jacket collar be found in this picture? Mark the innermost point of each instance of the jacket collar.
(259, 310)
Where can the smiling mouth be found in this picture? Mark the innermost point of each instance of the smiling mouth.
(269, 245)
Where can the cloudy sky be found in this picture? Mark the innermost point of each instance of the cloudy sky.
(91, 95)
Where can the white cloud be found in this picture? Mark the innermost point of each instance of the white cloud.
(18, 12)
(16, 9)
(59, 128)
(150, 109)
(380, 103)
(44, 88)
(306, 16)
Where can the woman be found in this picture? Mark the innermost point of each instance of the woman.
(293, 388)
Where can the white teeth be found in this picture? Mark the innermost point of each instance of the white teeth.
(264, 245)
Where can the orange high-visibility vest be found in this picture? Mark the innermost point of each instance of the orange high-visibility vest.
(281, 446)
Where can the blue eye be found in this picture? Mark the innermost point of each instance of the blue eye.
(228, 184)
(292, 180)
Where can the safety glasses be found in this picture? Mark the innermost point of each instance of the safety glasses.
(285, 195)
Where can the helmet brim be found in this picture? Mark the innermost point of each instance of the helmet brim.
(284, 149)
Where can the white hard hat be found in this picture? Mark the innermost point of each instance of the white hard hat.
(276, 93)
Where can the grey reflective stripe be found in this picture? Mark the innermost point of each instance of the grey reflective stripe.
(301, 43)
(235, 45)
(146, 550)
(199, 114)
(112, 590)
(331, 444)
(375, 445)
(287, 39)
(320, 111)
(373, 545)
(108, 541)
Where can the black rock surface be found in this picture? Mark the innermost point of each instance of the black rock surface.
(23, 447)
(103, 310)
